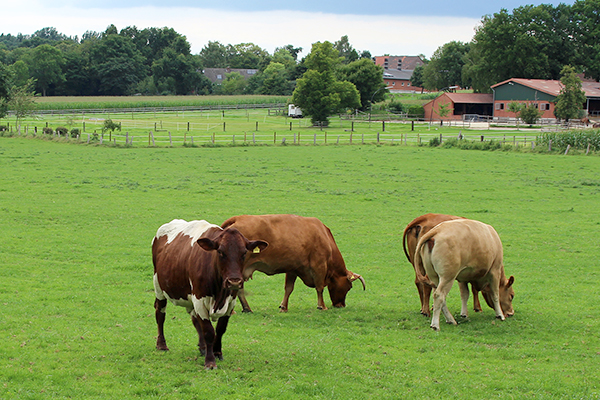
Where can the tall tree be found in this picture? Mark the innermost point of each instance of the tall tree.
(445, 67)
(318, 93)
(214, 55)
(571, 99)
(116, 64)
(367, 77)
(4, 90)
(46, 67)
(345, 50)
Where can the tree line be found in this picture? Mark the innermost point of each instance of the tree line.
(531, 42)
(147, 61)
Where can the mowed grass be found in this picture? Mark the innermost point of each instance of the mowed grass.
(77, 317)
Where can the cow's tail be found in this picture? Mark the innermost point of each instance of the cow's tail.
(426, 242)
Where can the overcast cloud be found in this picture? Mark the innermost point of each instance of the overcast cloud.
(393, 27)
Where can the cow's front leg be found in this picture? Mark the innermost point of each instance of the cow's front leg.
(290, 280)
(198, 326)
(245, 306)
(221, 328)
(159, 312)
(208, 334)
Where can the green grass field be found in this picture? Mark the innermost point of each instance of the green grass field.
(77, 317)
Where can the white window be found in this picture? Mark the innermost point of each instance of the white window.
(219, 76)
(499, 106)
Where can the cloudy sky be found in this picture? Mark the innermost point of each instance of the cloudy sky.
(384, 27)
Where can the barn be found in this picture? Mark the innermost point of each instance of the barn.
(461, 106)
(542, 93)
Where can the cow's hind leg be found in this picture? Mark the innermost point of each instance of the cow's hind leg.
(221, 328)
(424, 295)
(290, 280)
(439, 304)
(476, 303)
(159, 307)
(201, 342)
(464, 298)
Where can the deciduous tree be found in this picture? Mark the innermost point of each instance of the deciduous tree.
(569, 102)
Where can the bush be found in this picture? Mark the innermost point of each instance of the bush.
(62, 131)
(396, 107)
(416, 111)
(75, 132)
(47, 131)
(434, 142)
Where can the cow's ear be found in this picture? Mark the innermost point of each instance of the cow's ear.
(207, 244)
(511, 280)
(256, 246)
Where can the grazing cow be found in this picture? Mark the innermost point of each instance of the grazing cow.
(466, 251)
(198, 266)
(413, 231)
(299, 247)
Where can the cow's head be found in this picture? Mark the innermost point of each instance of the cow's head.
(340, 285)
(506, 296)
(231, 247)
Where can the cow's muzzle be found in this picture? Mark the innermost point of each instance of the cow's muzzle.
(234, 283)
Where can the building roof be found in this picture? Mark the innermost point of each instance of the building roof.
(471, 98)
(552, 87)
(218, 74)
(396, 74)
(467, 98)
(398, 62)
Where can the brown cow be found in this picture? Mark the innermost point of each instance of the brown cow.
(467, 251)
(299, 247)
(413, 231)
(198, 266)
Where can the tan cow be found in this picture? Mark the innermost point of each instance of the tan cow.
(299, 247)
(470, 252)
(413, 231)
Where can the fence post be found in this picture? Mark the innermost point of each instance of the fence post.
(567, 150)
(233, 142)
(550, 145)
(588, 150)
(188, 127)
(412, 125)
(253, 138)
(383, 126)
(153, 142)
(256, 126)
(170, 139)
(377, 137)
(274, 137)
(363, 138)
(352, 129)
(440, 138)
(482, 138)
(213, 138)
(223, 126)
(338, 140)
(126, 138)
(315, 140)
(290, 125)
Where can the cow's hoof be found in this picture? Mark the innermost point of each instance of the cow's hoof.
(247, 310)
(500, 317)
(209, 366)
(202, 351)
(283, 309)
(435, 328)
(219, 356)
(162, 347)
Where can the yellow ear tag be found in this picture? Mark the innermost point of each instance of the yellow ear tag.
(256, 250)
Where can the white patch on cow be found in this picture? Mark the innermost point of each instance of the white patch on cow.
(204, 307)
(157, 290)
(193, 229)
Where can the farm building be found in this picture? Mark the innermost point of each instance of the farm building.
(397, 71)
(218, 75)
(541, 92)
(460, 106)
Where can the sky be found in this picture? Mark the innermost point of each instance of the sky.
(385, 27)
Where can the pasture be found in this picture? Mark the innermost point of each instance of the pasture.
(77, 316)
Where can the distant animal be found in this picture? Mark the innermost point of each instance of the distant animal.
(299, 247)
(198, 265)
(470, 252)
(413, 231)
(585, 121)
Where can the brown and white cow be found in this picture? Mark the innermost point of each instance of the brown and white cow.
(198, 265)
(413, 231)
(300, 247)
(470, 252)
